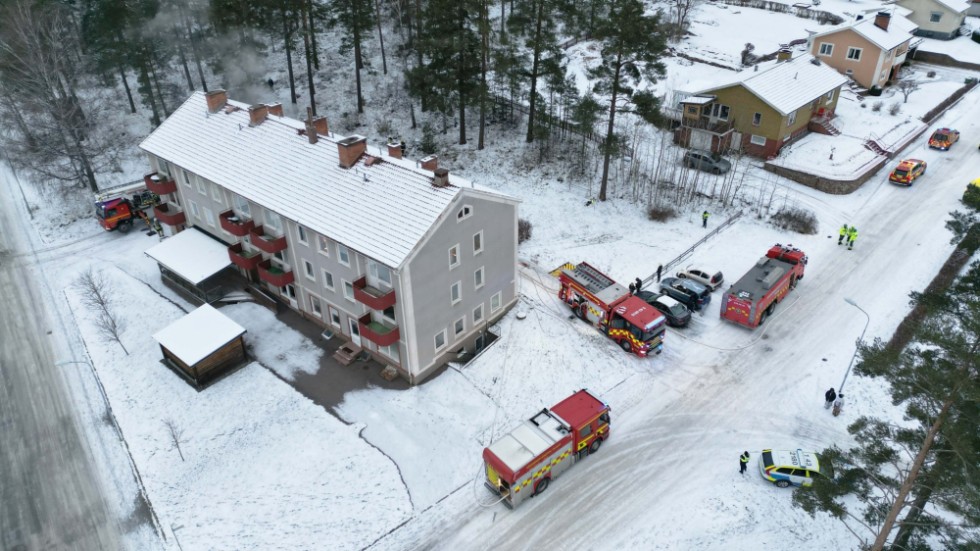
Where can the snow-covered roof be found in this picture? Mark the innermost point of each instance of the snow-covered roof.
(958, 6)
(698, 100)
(785, 85)
(899, 31)
(191, 254)
(382, 211)
(198, 334)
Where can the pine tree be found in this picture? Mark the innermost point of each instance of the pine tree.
(356, 17)
(632, 43)
(537, 21)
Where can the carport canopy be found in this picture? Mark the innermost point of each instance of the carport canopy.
(198, 334)
(191, 254)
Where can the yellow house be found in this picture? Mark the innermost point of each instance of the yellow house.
(762, 108)
(870, 51)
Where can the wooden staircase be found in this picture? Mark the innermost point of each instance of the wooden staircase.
(347, 353)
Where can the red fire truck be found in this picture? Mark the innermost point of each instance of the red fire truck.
(594, 297)
(753, 298)
(117, 208)
(522, 464)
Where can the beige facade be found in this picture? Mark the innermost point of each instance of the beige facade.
(859, 58)
(936, 19)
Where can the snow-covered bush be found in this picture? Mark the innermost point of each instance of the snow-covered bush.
(796, 219)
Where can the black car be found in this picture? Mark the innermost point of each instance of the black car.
(676, 313)
(689, 293)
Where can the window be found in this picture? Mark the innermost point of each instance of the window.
(324, 245)
(390, 351)
(455, 293)
(315, 306)
(585, 431)
(478, 278)
(830, 96)
(454, 256)
(327, 279)
(791, 119)
(935, 16)
(826, 48)
(854, 54)
(343, 255)
(389, 313)
(464, 213)
(301, 234)
(273, 222)
(440, 340)
(478, 314)
(380, 272)
(495, 302)
(208, 216)
(757, 140)
(202, 186)
(719, 111)
(241, 207)
(194, 211)
(459, 327)
(186, 177)
(308, 269)
(349, 291)
(757, 119)
(334, 316)
(216, 193)
(478, 242)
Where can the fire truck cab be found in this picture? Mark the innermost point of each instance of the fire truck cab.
(522, 463)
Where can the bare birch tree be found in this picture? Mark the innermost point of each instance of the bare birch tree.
(97, 294)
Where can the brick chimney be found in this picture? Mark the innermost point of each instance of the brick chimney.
(430, 163)
(351, 149)
(395, 150)
(310, 130)
(216, 100)
(320, 125)
(257, 114)
(882, 19)
(275, 109)
(784, 54)
(441, 178)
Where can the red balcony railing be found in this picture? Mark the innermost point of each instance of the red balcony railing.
(170, 214)
(373, 298)
(161, 185)
(378, 333)
(268, 244)
(235, 225)
(248, 260)
(274, 275)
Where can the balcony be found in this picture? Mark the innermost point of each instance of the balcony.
(274, 275)
(248, 260)
(376, 332)
(170, 214)
(373, 298)
(266, 244)
(159, 184)
(233, 224)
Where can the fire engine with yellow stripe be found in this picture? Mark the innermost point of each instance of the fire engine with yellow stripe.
(523, 463)
(754, 297)
(594, 297)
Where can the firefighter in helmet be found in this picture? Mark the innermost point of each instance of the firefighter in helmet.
(852, 235)
(843, 234)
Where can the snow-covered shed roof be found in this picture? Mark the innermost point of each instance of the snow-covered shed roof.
(382, 211)
(198, 334)
(191, 254)
(786, 85)
(698, 100)
(899, 31)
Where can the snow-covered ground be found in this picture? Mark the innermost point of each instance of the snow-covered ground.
(265, 468)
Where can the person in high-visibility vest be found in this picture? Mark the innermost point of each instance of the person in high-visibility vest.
(843, 234)
(743, 462)
(704, 219)
(852, 236)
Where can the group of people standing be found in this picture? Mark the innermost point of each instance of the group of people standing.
(835, 400)
(850, 234)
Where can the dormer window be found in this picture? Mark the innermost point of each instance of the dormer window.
(464, 213)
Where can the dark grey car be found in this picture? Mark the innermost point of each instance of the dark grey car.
(689, 293)
(706, 161)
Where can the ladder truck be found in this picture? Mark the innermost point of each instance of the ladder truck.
(117, 207)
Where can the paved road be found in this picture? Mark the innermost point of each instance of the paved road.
(50, 494)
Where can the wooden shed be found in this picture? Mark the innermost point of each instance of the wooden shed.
(202, 346)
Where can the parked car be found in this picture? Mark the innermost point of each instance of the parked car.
(944, 138)
(704, 278)
(707, 161)
(689, 293)
(907, 171)
(797, 468)
(676, 313)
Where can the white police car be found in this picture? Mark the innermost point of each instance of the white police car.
(799, 468)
